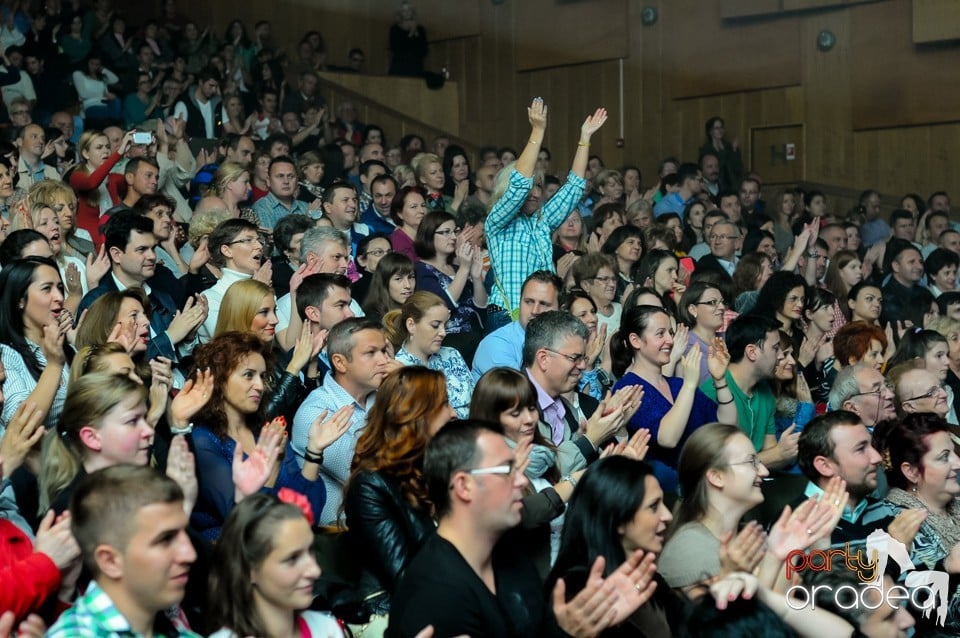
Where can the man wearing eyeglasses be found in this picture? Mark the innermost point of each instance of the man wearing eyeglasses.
(919, 390)
(724, 241)
(554, 357)
(463, 581)
(862, 390)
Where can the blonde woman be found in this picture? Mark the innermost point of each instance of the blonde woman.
(429, 171)
(77, 242)
(249, 306)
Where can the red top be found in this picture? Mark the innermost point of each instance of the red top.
(27, 578)
(85, 186)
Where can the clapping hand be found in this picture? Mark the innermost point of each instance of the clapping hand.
(252, 473)
(182, 468)
(324, 431)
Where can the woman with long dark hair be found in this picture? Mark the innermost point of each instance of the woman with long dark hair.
(728, 152)
(33, 326)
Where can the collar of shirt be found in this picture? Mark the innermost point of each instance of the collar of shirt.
(121, 286)
(554, 411)
(851, 516)
(342, 397)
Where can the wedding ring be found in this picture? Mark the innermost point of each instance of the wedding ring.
(837, 502)
(638, 587)
(809, 532)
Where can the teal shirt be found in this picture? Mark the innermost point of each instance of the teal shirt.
(754, 413)
(849, 515)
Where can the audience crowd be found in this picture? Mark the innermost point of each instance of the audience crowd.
(245, 337)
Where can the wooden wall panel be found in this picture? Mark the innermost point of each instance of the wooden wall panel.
(444, 20)
(936, 20)
(705, 55)
(692, 47)
(894, 82)
(749, 8)
(599, 26)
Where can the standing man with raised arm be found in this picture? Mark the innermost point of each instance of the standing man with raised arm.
(518, 228)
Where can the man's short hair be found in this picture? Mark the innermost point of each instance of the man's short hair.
(452, 449)
(372, 163)
(548, 331)
(896, 247)
(932, 215)
(223, 234)
(845, 386)
(315, 289)
(330, 192)
(316, 237)
(281, 159)
(746, 330)
(208, 73)
(899, 214)
(106, 502)
(383, 178)
(118, 229)
(687, 170)
(341, 339)
(543, 277)
(133, 164)
(815, 439)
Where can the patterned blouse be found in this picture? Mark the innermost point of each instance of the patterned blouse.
(450, 363)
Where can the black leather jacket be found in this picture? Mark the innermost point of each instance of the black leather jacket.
(385, 532)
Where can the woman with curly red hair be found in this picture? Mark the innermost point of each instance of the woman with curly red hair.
(859, 341)
(387, 509)
(230, 429)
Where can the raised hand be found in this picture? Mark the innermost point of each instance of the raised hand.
(637, 446)
(264, 273)
(323, 431)
(125, 335)
(744, 551)
(593, 123)
(680, 340)
(252, 473)
(182, 468)
(691, 366)
(718, 359)
(56, 541)
(74, 285)
(905, 526)
(161, 381)
(24, 431)
(537, 114)
(191, 399)
(201, 256)
(736, 585)
(788, 443)
(51, 345)
(595, 344)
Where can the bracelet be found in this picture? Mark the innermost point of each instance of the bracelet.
(187, 430)
(720, 387)
(725, 402)
(569, 479)
(587, 144)
(533, 142)
(313, 457)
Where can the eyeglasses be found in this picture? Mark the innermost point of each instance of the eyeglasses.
(575, 359)
(711, 302)
(499, 470)
(753, 460)
(929, 394)
(604, 280)
(877, 392)
(446, 232)
(722, 237)
(247, 240)
(378, 252)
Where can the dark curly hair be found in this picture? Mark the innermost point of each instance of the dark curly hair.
(222, 355)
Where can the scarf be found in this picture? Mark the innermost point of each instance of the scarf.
(946, 527)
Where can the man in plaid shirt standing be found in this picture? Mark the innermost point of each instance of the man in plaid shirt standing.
(518, 228)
